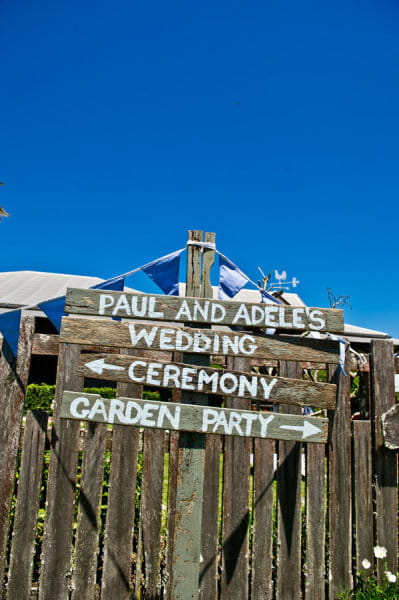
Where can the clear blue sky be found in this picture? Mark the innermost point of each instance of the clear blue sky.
(273, 123)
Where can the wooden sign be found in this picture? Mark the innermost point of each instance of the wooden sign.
(145, 336)
(201, 310)
(194, 418)
(162, 374)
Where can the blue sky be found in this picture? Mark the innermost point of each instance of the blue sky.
(273, 123)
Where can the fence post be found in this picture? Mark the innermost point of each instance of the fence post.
(384, 460)
(14, 377)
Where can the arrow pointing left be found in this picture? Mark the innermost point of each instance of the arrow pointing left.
(98, 366)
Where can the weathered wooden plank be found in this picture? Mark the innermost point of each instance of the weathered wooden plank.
(340, 486)
(205, 379)
(184, 575)
(262, 545)
(118, 542)
(151, 510)
(208, 581)
(363, 492)
(56, 549)
(45, 344)
(192, 418)
(235, 568)
(201, 341)
(23, 542)
(390, 427)
(289, 506)
(88, 528)
(385, 460)
(197, 310)
(13, 377)
(315, 522)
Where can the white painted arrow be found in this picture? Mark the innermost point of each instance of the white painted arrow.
(307, 429)
(99, 365)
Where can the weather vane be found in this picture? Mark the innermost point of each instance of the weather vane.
(280, 284)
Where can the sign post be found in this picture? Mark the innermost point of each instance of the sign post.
(194, 377)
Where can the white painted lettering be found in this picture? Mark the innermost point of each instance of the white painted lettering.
(98, 408)
(106, 301)
(223, 383)
(201, 338)
(264, 422)
(221, 422)
(215, 309)
(152, 313)
(116, 408)
(187, 377)
(137, 310)
(267, 387)
(180, 336)
(152, 372)
(131, 405)
(242, 314)
(235, 420)
(147, 413)
(297, 318)
(257, 315)
(247, 344)
(202, 311)
(317, 317)
(74, 407)
(247, 385)
(166, 413)
(269, 319)
(209, 417)
(204, 378)
(148, 337)
(230, 344)
(121, 304)
(165, 340)
(282, 318)
(131, 373)
(183, 314)
(250, 418)
(171, 376)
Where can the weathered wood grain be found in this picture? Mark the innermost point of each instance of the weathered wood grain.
(151, 510)
(190, 469)
(56, 548)
(201, 341)
(13, 377)
(363, 492)
(208, 581)
(197, 310)
(88, 527)
(385, 460)
(23, 542)
(235, 552)
(262, 545)
(340, 486)
(192, 418)
(118, 542)
(289, 505)
(223, 382)
(45, 344)
(315, 522)
(390, 427)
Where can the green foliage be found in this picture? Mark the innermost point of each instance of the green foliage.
(41, 396)
(369, 587)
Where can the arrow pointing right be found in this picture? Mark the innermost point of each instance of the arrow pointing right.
(308, 429)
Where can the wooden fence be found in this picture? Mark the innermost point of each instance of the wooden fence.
(87, 510)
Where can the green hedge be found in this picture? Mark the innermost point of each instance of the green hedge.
(41, 396)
